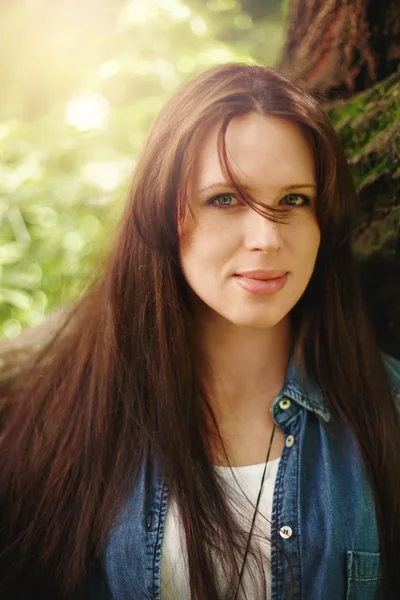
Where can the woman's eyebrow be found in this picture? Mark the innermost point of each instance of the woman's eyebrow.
(222, 184)
(297, 186)
(246, 188)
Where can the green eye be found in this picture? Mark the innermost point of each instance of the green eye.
(296, 200)
(223, 201)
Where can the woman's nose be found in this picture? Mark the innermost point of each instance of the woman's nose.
(262, 234)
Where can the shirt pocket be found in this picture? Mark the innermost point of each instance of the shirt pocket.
(364, 576)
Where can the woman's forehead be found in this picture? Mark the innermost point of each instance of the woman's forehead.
(262, 151)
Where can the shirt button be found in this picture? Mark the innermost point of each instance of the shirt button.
(289, 441)
(149, 520)
(285, 532)
(284, 404)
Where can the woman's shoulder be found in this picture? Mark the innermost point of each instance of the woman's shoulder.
(393, 369)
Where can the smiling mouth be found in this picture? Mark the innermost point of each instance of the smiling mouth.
(261, 282)
(262, 274)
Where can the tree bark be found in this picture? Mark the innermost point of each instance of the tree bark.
(369, 127)
(342, 46)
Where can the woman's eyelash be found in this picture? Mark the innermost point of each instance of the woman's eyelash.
(213, 201)
(306, 199)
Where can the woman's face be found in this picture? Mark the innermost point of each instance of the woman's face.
(229, 252)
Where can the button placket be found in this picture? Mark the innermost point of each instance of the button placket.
(285, 531)
(288, 416)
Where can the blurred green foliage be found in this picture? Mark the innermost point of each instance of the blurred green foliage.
(80, 89)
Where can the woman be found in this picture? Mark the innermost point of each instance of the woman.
(221, 385)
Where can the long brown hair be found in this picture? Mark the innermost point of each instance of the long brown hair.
(124, 381)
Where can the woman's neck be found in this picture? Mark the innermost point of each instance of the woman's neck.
(244, 368)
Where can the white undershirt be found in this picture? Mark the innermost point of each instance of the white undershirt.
(174, 570)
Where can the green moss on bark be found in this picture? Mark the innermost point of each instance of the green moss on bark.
(369, 127)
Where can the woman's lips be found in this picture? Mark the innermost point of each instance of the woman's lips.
(258, 285)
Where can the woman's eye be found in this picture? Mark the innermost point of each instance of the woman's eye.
(224, 201)
(296, 200)
(230, 201)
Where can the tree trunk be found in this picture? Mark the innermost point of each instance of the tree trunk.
(369, 126)
(342, 46)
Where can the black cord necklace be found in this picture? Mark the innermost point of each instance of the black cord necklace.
(255, 513)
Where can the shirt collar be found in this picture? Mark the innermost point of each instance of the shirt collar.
(310, 397)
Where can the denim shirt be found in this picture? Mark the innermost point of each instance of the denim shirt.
(323, 514)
